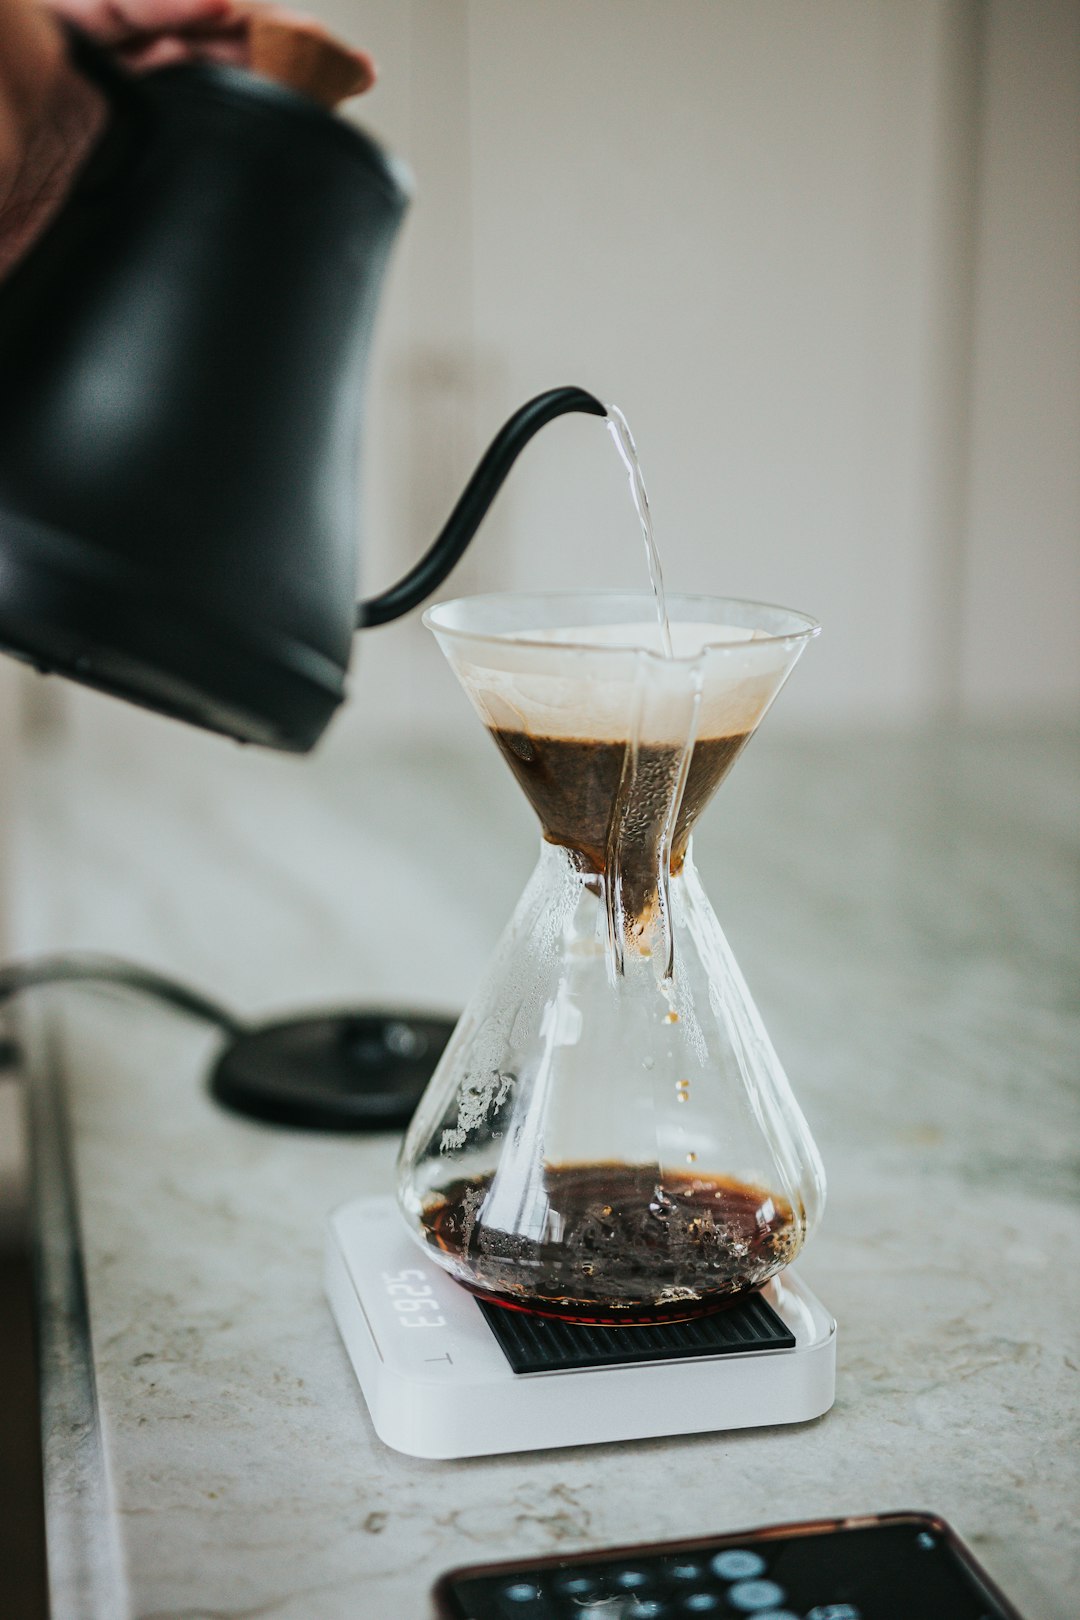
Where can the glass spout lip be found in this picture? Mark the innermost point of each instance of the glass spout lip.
(555, 609)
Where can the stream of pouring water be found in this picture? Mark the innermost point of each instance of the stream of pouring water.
(617, 426)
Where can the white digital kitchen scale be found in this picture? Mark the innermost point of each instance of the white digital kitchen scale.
(440, 1383)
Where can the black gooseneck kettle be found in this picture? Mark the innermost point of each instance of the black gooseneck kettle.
(182, 359)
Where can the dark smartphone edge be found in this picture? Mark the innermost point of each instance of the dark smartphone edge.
(448, 1608)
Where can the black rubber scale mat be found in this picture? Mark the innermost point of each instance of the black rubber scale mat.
(535, 1344)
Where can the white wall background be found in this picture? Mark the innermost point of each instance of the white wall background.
(824, 255)
(826, 258)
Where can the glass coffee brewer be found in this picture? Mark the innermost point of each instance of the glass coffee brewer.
(609, 1137)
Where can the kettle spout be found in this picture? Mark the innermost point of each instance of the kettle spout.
(477, 496)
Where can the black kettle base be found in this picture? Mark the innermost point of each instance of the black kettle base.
(345, 1071)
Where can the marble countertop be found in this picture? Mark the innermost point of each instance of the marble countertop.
(905, 909)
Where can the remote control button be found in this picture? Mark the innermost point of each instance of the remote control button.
(683, 1569)
(572, 1584)
(751, 1596)
(628, 1580)
(521, 1592)
(701, 1603)
(737, 1565)
(648, 1609)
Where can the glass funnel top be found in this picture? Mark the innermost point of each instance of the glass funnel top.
(592, 666)
(618, 747)
(609, 1135)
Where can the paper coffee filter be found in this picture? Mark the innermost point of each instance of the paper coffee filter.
(592, 682)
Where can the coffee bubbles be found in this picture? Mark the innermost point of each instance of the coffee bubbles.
(622, 1245)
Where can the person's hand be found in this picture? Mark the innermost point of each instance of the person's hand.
(147, 34)
(51, 117)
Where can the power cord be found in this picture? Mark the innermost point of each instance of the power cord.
(338, 1070)
(91, 969)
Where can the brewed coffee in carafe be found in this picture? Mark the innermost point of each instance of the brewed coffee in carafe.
(609, 1136)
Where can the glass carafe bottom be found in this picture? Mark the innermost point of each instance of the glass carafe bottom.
(628, 1245)
(609, 1147)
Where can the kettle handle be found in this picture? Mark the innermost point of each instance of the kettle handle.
(477, 496)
